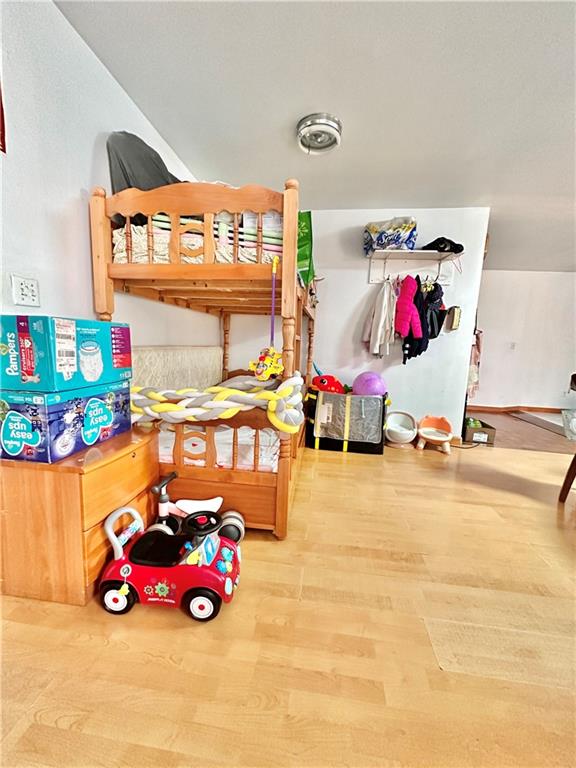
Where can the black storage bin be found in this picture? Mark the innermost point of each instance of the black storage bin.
(348, 423)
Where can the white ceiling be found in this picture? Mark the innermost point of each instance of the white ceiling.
(443, 104)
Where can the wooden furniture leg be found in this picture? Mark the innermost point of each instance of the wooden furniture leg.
(225, 344)
(283, 489)
(568, 480)
(101, 255)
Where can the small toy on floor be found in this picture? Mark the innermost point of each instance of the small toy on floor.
(400, 429)
(190, 559)
(435, 430)
(172, 514)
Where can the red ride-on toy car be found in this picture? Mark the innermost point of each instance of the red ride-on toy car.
(196, 569)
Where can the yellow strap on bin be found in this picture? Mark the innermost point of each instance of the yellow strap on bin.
(346, 423)
(318, 406)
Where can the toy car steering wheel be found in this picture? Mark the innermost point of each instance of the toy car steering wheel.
(201, 523)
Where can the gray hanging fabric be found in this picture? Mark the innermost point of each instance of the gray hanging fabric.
(134, 164)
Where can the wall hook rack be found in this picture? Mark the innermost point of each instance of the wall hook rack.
(377, 270)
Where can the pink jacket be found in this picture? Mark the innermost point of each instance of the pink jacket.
(407, 317)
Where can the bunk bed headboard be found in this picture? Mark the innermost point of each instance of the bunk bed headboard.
(186, 198)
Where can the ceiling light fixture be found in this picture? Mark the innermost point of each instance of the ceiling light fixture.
(318, 133)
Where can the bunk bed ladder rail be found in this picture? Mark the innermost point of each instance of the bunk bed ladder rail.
(150, 239)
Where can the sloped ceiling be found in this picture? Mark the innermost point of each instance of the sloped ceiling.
(443, 104)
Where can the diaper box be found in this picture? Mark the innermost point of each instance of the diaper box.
(47, 427)
(55, 354)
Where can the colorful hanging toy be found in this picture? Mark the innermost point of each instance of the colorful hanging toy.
(269, 361)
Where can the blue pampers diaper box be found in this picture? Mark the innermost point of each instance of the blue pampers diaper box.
(56, 354)
(47, 427)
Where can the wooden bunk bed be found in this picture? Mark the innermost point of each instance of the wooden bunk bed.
(197, 278)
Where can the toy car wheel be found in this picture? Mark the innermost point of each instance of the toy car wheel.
(171, 523)
(231, 530)
(232, 526)
(202, 604)
(115, 599)
(174, 523)
(162, 527)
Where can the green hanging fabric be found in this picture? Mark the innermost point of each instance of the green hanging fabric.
(305, 260)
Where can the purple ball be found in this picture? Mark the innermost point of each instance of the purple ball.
(369, 383)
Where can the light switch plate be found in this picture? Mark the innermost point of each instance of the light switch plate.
(25, 291)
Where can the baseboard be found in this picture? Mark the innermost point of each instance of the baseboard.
(456, 440)
(511, 409)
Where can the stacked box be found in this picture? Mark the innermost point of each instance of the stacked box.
(50, 426)
(56, 354)
(477, 431)
(65, 385)
(349, 423)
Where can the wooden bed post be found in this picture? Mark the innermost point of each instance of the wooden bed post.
(310, 355)
(289, 267)
(283, 488)
(225, 344)
(101, 239)
(298, 334)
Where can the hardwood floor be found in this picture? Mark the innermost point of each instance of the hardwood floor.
(420, 614)
(514, 433)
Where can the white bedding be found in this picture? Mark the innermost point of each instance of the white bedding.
(267, 456)
(224, 252)
(201, 367)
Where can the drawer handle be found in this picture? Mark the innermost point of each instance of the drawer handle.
(134, 455)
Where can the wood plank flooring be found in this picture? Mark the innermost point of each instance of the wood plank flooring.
(420, 614)
(515, 433)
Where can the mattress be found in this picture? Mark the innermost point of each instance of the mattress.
(223, 437)
(177, 367)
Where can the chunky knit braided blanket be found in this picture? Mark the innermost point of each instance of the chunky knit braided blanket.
(283, 405)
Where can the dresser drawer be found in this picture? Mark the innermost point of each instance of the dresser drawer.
(109, 485)
(97, 548)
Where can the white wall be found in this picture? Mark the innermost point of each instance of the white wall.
(60, 105)
(529, 342)
(435, 382)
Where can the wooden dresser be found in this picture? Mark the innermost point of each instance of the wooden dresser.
(53, 541)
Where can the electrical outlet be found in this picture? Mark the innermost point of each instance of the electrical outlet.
(25, 291)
